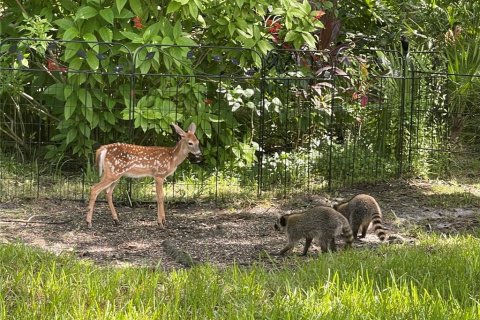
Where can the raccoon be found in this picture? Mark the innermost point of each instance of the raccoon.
(321, 223)
(360, 211)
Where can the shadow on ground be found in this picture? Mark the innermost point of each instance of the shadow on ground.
(204, 233)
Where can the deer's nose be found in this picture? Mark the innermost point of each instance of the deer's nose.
(196, 157)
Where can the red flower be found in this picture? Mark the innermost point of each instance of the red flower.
(363, 101)
(275, 27)
(137, 22)
(320, 13)
(53, 65)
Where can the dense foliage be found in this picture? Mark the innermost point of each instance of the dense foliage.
(103, 70)
(158, 38)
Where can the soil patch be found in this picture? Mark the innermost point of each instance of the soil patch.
(198, 233)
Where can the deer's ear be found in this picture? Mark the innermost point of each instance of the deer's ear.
(192, 127)
(178, 130)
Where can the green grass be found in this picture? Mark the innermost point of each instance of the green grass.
(437, 279)
(452, 195)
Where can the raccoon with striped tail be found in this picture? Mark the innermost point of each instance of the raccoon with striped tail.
(320, 223)
(360, 211)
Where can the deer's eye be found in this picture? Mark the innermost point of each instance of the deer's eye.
(190, 143)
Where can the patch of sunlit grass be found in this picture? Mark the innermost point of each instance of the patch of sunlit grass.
(436, 278)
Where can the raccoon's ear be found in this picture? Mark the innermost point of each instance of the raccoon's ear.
(283, 221)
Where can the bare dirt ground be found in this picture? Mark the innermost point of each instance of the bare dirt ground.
(197, 233)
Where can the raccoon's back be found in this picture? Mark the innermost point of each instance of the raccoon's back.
(324, 219)
(363, 210)
(332, 224)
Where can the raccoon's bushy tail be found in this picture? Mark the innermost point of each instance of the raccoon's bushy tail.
(377, 226)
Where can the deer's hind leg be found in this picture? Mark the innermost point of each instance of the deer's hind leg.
(109, 196)
(96, 189)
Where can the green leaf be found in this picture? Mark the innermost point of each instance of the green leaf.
(86, 13)
(71, 135)
(264, 46)
(145, 66)
(84, 129)
(71, 50)
(120, 4)
(309, 39)
(126, 93)
(110, 103)
(241, 23)
(70, 106)
(91, 117)
(130, 35)
(63, 23)
(207, 128)
(69, 5)
(167, 41)
(109, 117)
(155, 28)
(56, 90)
(147, 35)
(107, 15)
(92, 60)
(202, 21)
(291, 35)
(167, 61)
(70, 33)
(67, 91)
(75, 64)
(89, 37)
(85, 97)
(177, 30)
(136, 7)
(256, 33)
(184, 41)
(106, 34)
(256, 59)
(126, 14)
(248, 43)
(193, 9)
(173, 6)
(231, 29)
(222, 21)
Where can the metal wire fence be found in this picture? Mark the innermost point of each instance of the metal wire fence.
(302, 122)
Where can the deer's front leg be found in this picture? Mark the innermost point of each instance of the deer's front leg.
(160, 197)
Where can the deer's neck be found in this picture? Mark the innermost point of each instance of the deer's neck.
(180, 152)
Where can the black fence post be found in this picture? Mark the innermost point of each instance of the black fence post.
(261, 129)
(412, 107)
(405, 47)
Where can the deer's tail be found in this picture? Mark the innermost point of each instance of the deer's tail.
(100, 159)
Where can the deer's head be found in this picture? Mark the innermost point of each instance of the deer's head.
(190, 142)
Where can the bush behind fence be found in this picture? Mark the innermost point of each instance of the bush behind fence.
(304, 121)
